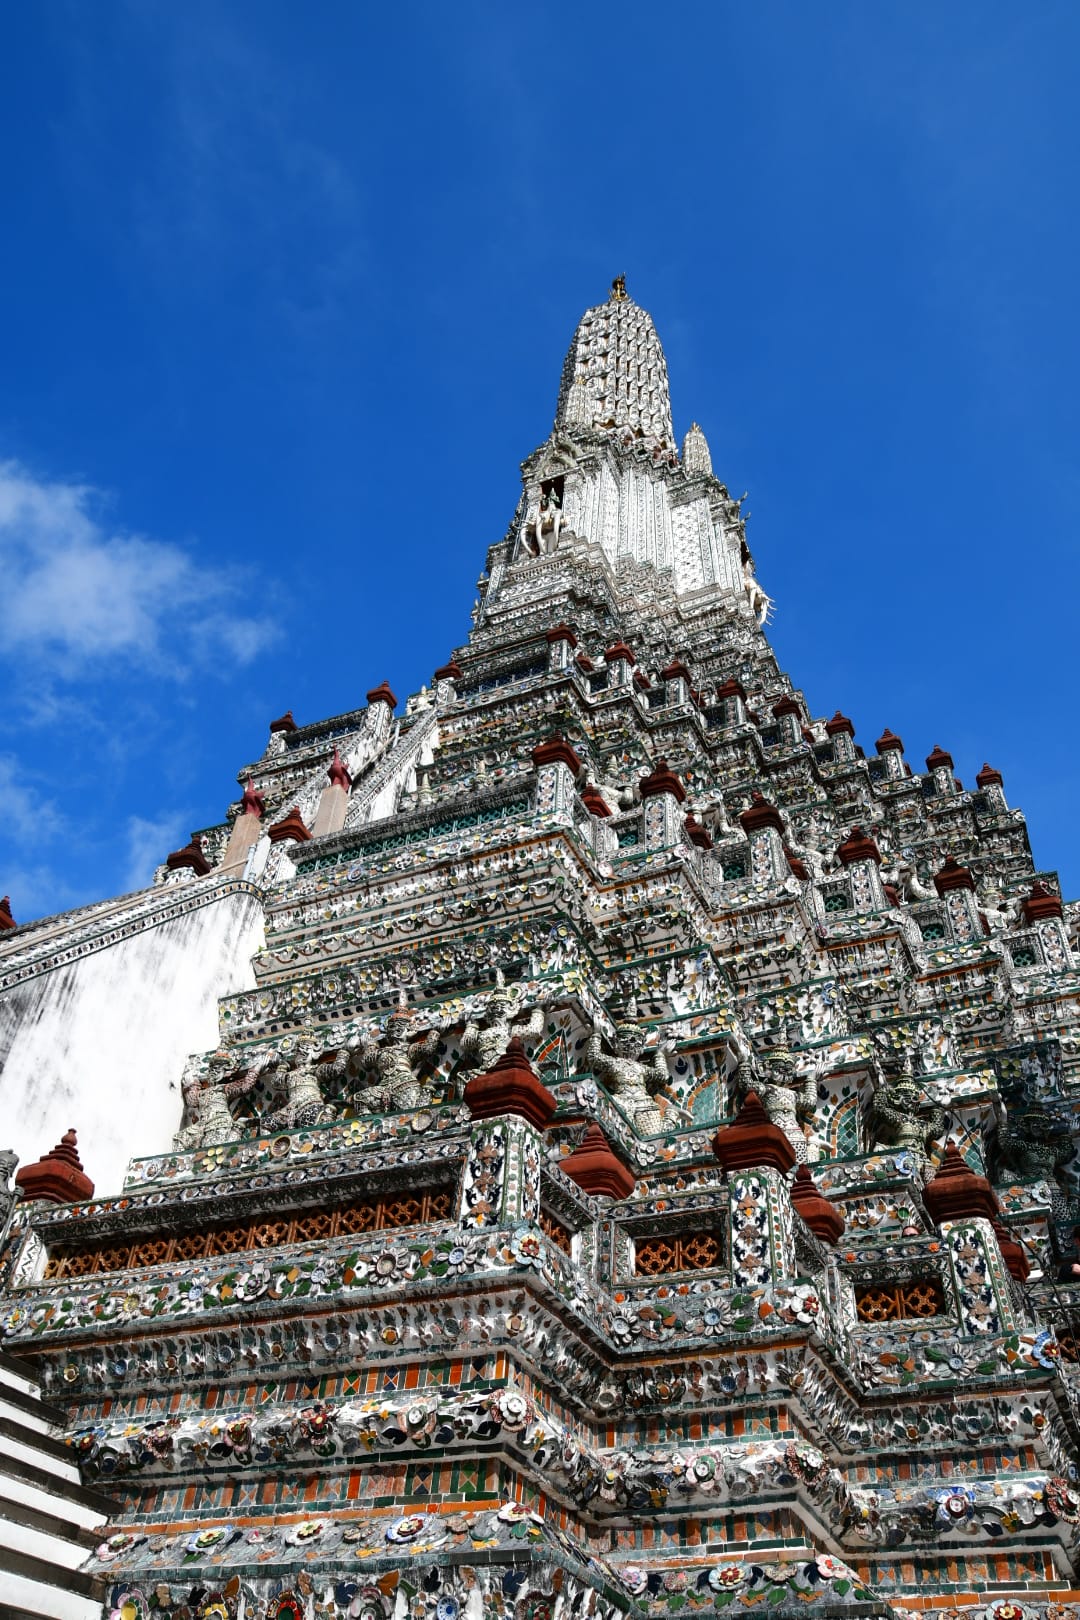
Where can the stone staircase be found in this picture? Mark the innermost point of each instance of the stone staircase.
(49, 1521)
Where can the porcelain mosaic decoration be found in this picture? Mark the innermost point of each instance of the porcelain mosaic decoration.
(642, 1177)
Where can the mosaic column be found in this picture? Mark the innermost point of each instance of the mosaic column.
(509, 1106)
(842, 732)
(956, 886)
(764, 827)
(861, 856)
(561, 642)
(661, 794)
(557, 768)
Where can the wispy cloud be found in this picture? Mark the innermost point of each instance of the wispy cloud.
(80, 591)
(149, 840)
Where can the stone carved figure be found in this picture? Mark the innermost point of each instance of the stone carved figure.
(209, 1089)
(761, 605)
(482, 1045)
(1033, 1146)
(788, 1096)
(632, 1080)
(392, 1057)
(548, 521)
(304, 1104)
(901, 1118)
(8, 1161)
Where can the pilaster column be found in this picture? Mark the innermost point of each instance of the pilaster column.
(620, 662)
(380, 712)
(964, 1207)
(557, 768)
(661, 793)
(732, 698)
(940, 765)
(992, 784)
(788, 717)
(842, 733)
(510, 1107)
(446, 679)
(861, 857)
(561, 642)
(757, 1156)
(764, 827)
(956, 886)
(676, 679)
(1042, 911)
(890, 749)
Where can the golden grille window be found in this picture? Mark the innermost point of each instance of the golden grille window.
(385, 1213)
(677, 1251)
(894, 1302)
(559, 1234)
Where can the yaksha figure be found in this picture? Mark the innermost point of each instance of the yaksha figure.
(788, 1097)
(632, 1080)
(901, 1117)
(482, 1046)
(304, 1104)
(208, 1091)
(396, 1084)
(1034, 1146)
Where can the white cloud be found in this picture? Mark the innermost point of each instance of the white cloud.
(148, 843)
(78, 590)
(30, 816)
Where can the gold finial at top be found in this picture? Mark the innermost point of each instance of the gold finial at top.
(618, 290)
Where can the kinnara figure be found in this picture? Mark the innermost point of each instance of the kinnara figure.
(392, 1057)
(633, 1081)
(208, 1092)
(788, 1097)
(548, 520)
(901, 1116)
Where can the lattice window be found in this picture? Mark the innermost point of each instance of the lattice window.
(388, 1211)
(556, 1231)
(933, 930)
(734, 869)
(677, 1251)
(837, 900)
(919, 1298)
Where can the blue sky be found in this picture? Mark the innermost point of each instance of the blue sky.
(286, 292)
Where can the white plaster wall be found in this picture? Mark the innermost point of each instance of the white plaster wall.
(100, 1044)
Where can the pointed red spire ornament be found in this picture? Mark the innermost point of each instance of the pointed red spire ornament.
(938, 759)
(661, 780)
(284, 723)
(594, 801)
(752, 1140)
(760, 813)
(290, 826)
(382, 694)
(839, 723)
(696, 833)
(858, 846)
(190, 856)
(555, 750)
(449, 672)
(253, 803)
(58, 1177)
(822, 1217)
(988, 777)
(1040, 904)
(511, 1086)
(338, 774)
(887, 740)
(953, 876)
(956, 1193)
(6, 919)
(596, 1169)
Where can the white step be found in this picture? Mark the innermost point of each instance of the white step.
(39, 1598)
(17, 1413)
(26, 1451)
(12, 1376)
(28, 1493)
(24, 1538)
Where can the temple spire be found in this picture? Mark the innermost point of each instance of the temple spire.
(615, 377)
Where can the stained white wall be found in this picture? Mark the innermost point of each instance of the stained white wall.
(100, 1044)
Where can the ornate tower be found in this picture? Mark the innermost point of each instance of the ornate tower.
(639, 1175)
